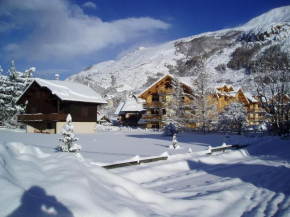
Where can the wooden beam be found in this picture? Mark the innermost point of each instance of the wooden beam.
(134, 163)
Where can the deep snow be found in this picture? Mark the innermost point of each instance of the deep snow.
(36, 181)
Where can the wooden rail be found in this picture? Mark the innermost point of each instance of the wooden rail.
(224, 148)
(134, 163)
(42, 117)
(54, 117)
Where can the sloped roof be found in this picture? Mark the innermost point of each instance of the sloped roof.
(131, 105)
(100, 116)
(69, 91)
(119, 108)
(184, 80)
(250, 97)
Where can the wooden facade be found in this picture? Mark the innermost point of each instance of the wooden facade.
(158, 102)
(45, 109)
(159, 97)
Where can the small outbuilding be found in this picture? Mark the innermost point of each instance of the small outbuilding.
(130, 111)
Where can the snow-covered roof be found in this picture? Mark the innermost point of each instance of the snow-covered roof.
(119, 108)
(188, 81)
(131, 105)
(250, 97)
(100, 116)
(184, 80)
(69, 91)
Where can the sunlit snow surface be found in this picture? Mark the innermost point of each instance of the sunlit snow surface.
(36, 181)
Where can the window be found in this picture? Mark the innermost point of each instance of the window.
(168, 86)
(84, 111)
(154, 112)
(164, 111)
(155, 126)
(155, 98)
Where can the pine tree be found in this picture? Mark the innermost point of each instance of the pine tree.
(11, 88)
(174, 141)
(68, 138)
(204, 108)
(233, 117)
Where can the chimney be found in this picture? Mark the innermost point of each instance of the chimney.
(56, 77)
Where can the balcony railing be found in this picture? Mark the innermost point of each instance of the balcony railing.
(151, 117)
(54, 117)
(185, 104)
(152, 105)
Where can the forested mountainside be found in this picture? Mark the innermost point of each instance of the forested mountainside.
(233, 55)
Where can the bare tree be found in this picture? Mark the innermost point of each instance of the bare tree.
(273, 88)
(204, 108)
(177, 113)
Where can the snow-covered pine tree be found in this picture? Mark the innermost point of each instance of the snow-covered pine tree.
(233, 117)
(204, 108)
(174, 141)
(176, 114)
(11, 88)
(68, 138)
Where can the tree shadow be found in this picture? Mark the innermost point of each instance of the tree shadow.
(166, 146)
(151, 136)
(36, 203)
(191, 140)
(262, 176)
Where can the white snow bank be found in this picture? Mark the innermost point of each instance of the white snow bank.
(36, 184)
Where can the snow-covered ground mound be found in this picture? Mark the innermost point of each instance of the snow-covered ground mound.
(37, 184)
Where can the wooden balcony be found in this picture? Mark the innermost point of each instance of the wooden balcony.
(54, 117)
(152, 105)
(152, 117)
(165, 92)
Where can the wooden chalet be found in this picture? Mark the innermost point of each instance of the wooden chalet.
(160, 94)
(158, 99)
(50, 101)
(226, 94)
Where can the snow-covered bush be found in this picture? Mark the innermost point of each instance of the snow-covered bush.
(233, 117)
(169, 129)
(67, 132)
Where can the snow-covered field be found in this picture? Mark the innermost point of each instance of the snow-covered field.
(37, 181)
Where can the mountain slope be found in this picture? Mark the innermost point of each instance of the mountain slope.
(228, 53)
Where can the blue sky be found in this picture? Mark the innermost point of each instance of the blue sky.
(66, 36)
